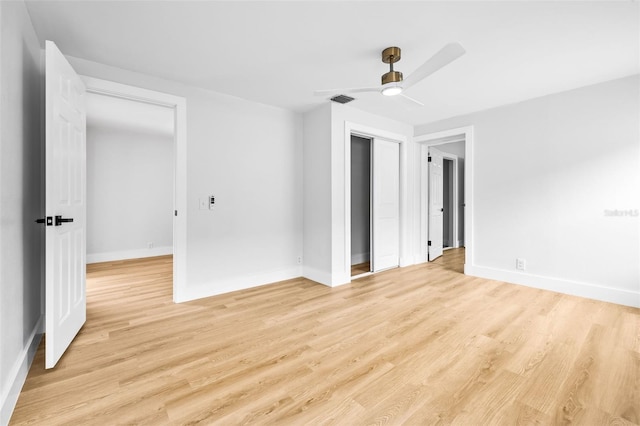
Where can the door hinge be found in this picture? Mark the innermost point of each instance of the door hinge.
(429, 243)
(175, 212)
(429, 159)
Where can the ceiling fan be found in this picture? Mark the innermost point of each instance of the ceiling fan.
(393, 83)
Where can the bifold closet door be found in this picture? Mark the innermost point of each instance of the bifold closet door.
(385, 238)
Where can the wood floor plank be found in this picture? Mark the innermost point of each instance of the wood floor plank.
(423, 344)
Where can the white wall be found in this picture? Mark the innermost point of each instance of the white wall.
(21, 201)
(249, 156)
(546, 171)
(129, 193)
(317, 194)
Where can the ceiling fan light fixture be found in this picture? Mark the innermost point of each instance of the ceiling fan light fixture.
(391, 89)
(391, 81)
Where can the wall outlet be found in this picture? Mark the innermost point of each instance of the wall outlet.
(299, 260)
(521, 264)
(150, 245)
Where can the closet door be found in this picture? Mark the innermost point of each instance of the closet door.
(385, 200)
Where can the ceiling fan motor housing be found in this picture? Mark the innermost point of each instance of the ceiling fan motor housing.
(392, 77)
(390, 56)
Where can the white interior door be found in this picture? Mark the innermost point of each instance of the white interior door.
(436, 205)
(65, 205)
(385, 238)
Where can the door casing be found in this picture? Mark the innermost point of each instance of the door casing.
(368, 132)
(465, 134)
(179, 105)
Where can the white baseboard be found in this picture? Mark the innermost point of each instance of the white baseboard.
(18, 373)
(128, 254)
(317, 275)
(214, 288)
(575, 288)
(360, 258)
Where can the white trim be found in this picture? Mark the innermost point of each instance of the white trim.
(440, 138)
(208, 289)
(128, 254)
(587, 290)
(18, 373)
(362, 275)
(317, 275)
(179, 104)
(356, 129)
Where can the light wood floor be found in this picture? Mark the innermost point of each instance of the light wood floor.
(360, 268)
(417, 345)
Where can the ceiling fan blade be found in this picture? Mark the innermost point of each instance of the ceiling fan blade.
(345, 91)
(408, 100)
(443, 57)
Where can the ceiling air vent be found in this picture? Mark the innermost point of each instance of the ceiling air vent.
(342, 99)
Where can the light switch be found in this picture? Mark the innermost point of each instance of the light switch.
(212, 201)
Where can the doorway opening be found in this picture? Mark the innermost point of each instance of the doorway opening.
(360, 205)
(445, 212)
(447, 202)
(130, 179)
(374, 205)
(453, 196)
(454, 151)
(175, 175)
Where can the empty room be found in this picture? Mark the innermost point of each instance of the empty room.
(319, 212)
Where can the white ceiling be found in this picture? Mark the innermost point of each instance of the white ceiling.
(278, 52)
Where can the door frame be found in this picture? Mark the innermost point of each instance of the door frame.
(455, 195)
(364, 131)
(458, 134)
(179, 106)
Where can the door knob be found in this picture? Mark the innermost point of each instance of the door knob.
(60, 220)
(48, 221)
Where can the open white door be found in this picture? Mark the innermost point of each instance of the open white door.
(65, 205)
(436, 206)
(385, 200)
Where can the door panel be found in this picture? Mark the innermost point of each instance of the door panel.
(435, 204)
(385, 205)
(65, 298)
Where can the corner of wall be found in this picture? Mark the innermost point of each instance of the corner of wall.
(22, 180)
(18, 373)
